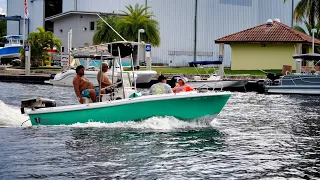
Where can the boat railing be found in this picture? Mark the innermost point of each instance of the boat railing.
(12, 41)
(207, 87)
(293, 79)
(207, 66)
(268, 82)
(237, 76)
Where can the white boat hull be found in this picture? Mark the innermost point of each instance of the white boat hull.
(66, 78)
(217, 84)
(139, 108)
(307, 90)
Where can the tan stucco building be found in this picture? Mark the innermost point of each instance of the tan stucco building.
(267, 46)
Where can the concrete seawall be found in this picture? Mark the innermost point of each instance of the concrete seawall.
(31, 79)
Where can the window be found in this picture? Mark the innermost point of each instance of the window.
(237, 2)
(62, 49)
(52, 7)
(92, 26)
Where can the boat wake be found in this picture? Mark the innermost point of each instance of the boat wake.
(10, 116)
(156, 123)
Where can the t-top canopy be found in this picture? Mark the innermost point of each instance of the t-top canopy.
(314, 56)
(126, 48)
(205, 62)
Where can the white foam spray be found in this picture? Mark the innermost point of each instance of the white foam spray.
(157, 123)
(11, 116)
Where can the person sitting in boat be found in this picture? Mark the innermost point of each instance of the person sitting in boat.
(106, 82)
(83, 87)
(182, 86)
(161, 87)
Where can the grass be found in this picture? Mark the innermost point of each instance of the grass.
(174, 70)
(191, 70)
(49, 69)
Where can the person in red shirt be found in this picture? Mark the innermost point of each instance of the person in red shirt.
(182, 86)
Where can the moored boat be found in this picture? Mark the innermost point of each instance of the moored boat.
(303, 82)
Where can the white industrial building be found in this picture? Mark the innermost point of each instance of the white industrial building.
(215, 19)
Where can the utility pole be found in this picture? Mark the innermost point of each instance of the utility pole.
(27, 58)
(195, 32)
(146, 5)
(292, 9)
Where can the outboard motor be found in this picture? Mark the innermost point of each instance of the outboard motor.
(274, 77)
(37, 103)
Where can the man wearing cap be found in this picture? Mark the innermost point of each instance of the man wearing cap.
(105, 79)
(83, 87)
(161, 87)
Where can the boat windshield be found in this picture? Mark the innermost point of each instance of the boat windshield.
(104, 57)
(13, 39)
(3, 41)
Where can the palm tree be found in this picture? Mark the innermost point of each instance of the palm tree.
(40, 42)
(309, 9)
(135, 18)
(104, 33)
(3, 28)
(308, 32)
(309, 28)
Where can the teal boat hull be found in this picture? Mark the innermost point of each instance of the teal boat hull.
(183, 107)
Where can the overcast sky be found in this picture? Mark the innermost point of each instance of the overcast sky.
(3, 6)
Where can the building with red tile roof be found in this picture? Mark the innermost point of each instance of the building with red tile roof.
(267, 46)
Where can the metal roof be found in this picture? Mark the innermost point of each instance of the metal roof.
(62, 15)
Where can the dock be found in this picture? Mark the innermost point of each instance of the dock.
(18, 76)
(31, 79)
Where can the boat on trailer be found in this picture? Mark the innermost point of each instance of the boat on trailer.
(305, 82)
(11, 48)
(124, 103)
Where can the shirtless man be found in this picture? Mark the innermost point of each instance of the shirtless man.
(83, 87)
(105, 79)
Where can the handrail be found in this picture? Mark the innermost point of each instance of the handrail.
(300, 78)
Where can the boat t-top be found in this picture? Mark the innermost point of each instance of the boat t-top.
(11, 47)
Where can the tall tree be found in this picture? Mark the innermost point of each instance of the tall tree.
(309, 9)
(135, 18)
(308, 31)
(309, 28)
(3, 28)
(138, 18)
(3, 32)
(40, 42)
